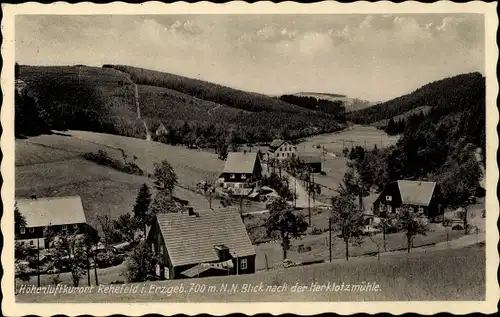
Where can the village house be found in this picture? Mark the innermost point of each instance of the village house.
(161, 130)
(281, 150)
(58, 214)
(201, 243)
(421, 197)
(312, 161)
(242, 170)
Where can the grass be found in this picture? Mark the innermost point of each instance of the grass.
(51, 165)
(334, 163)
(401, 277)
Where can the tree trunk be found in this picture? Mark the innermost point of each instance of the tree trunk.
(347, 250)
(408, 240)
(88, 271)
(383, 237)
(466, 227)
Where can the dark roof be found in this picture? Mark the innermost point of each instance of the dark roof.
(192, 240)
(310, 158)
(416, 192)
(41, 212)
(276, 144)
(240, 162)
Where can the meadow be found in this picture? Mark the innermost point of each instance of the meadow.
(51, 165)
(401, 277)
(334, 162)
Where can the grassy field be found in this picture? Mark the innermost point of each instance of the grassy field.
(400, 277)
(334, 163)
(50, 165)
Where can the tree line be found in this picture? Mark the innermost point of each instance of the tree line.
(335, 108)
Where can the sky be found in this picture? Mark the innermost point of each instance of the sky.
(372, 57)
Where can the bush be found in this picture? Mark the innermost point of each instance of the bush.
(102, 158)
(457, 227)
(108, 259)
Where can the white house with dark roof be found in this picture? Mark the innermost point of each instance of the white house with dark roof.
(54, 213)
(282, 150)
(241, 170)
(422, 197)
(201, 243)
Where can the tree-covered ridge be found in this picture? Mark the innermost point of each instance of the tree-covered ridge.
(450, 94)
(234, 98)
(335, 108)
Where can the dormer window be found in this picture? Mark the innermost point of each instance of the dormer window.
(222, 252)
(388, 198)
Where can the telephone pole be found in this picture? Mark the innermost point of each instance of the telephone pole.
(330, 237)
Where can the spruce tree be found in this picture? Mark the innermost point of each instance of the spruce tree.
(141, 206)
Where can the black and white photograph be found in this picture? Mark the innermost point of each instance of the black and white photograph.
(175, 157)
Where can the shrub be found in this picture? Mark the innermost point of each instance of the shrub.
(316, 231)
(457, 227)
(108, 259)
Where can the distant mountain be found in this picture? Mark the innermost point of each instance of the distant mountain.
(350, 104)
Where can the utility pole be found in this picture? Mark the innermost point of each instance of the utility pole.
(38, 261)
(95, 263)
(330, 236)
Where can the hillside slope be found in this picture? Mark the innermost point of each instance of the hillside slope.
(453, 92)
(103, 100)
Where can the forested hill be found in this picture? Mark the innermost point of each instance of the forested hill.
(449, 94)
(193, 111)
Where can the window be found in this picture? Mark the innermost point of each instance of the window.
(31, 242)
(243, 264)
(32, 230)
(65, 227)
(232, 176)
(243, 176)
(23, 230)
(153, 247)
(388, 198)
(420, 210)
(161, 250)
(75, 226)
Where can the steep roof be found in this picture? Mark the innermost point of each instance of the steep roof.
(416, 192)
(52, 211)
(240, 162)
(192, 240)
(276, 144)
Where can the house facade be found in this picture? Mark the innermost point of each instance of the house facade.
(57, 214)
(422, 197)
(241, 170)
(282, 150)
(201, 243)
(161, 130)
(313, 162)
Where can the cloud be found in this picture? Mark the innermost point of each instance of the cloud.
(367, 56)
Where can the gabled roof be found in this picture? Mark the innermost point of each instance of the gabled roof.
(416, 192)
(192, 240)
(310, 158)
(240, 162)
(276, 144)
(41, 212)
